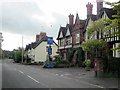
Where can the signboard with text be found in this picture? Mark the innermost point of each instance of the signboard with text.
(50, 40)
(49, 50)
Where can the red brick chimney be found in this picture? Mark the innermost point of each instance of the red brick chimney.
(42, 34)
(37, 37)
(89, 9)
(99, 5)
(71, 19)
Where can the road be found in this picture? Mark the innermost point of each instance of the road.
(29, 76)
(0, 74)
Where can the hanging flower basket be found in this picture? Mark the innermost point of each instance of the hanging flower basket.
(87, 63)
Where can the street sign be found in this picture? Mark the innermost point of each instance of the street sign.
(50, 40)
(49, 50)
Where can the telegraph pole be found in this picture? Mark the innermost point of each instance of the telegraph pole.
(1, 40)
(22, 48)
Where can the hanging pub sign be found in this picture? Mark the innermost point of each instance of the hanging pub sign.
(50, 40)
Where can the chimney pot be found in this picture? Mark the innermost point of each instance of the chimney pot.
(71, 19)
(99, 5)
(89, 9)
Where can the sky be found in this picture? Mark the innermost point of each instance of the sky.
(26, 18)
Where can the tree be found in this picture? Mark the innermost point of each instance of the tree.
(96, 26)
(17, 55)
(94, 47)
(97, 47)
(115, 23)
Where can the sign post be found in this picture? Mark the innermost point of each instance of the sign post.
(49, 42)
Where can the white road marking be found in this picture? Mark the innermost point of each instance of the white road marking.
(98, 86)
(33, 79)
(21, 72)
(61, 75)
(90, 84)
(37, 81)
(56, 74)
(66, 74)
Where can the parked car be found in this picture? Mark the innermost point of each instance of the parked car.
(48, 65)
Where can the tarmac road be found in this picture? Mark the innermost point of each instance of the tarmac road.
(29, 76)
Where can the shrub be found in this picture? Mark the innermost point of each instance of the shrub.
(61, 62)
(87, 62)
(57, 57)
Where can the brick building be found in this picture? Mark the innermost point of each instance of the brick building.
(69, 39)
(102, 13)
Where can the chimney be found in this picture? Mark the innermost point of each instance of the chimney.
(37, 37)
(42, 34)
(99, 5)
(71, 19)
(89, 9)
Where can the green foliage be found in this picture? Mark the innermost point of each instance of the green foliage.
(17, 55)
(57, 57)
(87, 62)
(97, 25)
(93, 45)
(61, 62)
(115, 23)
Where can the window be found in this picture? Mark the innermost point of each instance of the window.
(68, 41)
(77, 37)
(62, 42)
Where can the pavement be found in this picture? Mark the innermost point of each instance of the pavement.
(86, 76)
(15, 75)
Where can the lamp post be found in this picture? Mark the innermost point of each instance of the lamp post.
(1, 40)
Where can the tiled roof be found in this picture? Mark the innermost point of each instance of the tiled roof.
(70, 27)
(30, 46)
(93, 17)
(43, 39)
(63, 30)
(109, 12)
(83, 23)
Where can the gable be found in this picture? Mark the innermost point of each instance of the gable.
(89, 22)
(77, 21)
(104, 16)
(61, 35)
(68, 32)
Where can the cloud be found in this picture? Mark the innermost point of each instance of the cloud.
(27, 18)
(15, 17)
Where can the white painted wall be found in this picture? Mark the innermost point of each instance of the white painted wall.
(61, 35)
(68, 32)
(116, 53)
(89, 23)
(40, 51)
(32, 54)
(105, 15)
